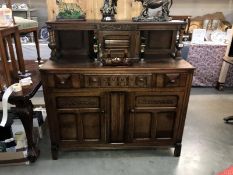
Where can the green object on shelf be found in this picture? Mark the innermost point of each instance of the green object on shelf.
(70, 11)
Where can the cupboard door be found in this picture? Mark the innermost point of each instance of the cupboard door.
(81, 118)
(153, 117)
(152, 124)
(82, 126)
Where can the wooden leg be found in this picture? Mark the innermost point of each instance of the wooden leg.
(54, 151)
(220, 86)
(13, 60)
(228, 119)
(35, 34)
(222, 76)
(25, 111)
(6, 51)
(177, 150)
(7, 75)
(19, 52)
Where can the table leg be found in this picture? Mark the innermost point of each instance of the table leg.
(177, 149)
(19, 52)
(35, 35)
(222, 76)
(4, 62)
(25, 109)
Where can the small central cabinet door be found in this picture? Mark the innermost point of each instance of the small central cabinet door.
(117, 117)
(81, 117)
(153, 116)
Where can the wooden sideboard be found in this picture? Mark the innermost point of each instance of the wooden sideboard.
(91, 106)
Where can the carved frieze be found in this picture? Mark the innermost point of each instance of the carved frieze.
(78, 102)
(117, 27)
(156, 101)
(172, 80)
(139, 81)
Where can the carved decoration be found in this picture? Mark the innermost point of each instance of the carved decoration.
(158, 101)
(52, 43)
(179, 44)
(117, 27)
(117, 81)
(171, 80)
(78, 102)
(62, 78)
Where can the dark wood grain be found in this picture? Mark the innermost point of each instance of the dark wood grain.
(91, 106)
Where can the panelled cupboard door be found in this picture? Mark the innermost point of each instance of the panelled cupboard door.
(81, 118)
(154, 117)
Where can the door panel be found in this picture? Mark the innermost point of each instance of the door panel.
(165, 122)
(82, 126)
(117, 116)
(142, 125)
(68, 126)
(81, 117)
(91, 125)
(152, 125)
(153, 116)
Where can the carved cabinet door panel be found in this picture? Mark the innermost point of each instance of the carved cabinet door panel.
(154, 117)
(81, 118)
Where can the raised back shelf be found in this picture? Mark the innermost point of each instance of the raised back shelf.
(115, 38)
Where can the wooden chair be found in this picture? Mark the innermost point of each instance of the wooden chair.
(27, 26)
(12, 65)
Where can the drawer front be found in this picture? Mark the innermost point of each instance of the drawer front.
(116, 81)
(170, 80)
(75, 80)
(63, 80)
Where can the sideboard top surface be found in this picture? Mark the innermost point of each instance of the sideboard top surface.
(148, 65)
(121, 24)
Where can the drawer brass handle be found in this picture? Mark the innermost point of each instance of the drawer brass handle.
(62, 82)
(94, 80)
(103, 111)
(141, 79)
(132, 110)
(172, 81)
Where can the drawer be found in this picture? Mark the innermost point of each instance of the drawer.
(170, 80)
(64, 80)
(117, 81)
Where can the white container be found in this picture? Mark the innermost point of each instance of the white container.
(6, 19)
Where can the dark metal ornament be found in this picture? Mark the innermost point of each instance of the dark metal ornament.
(109, 10)
(163, 15)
